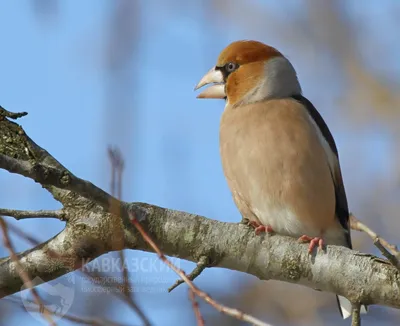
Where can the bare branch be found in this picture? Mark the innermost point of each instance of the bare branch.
(379, 242)
(224, 309)
(7, 114)
(74, 319)
(60, 178)
(387, 254)
(360, 278)
(23, 214)
(200, 267)
(22, 273)
(94, 225)
(196, 309)
(89, 275)
(117, 165)
(355, 315)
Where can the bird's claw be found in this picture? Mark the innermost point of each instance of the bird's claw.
(258, 228)
(317, 241)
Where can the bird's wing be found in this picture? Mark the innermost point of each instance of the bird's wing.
(342, 210)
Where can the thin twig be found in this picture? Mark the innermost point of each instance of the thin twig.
(23, 235)
(11, 115)
(74, 319)
(394, 261)
(196, 309)
(22, 214)
(91, 277)
(112, 180)
(357, 225)
(22, 273)
(388, 250)
(125, 277)
(355, 315)
(204, 296)
(127, 299)
(117, 167)
(200, 267)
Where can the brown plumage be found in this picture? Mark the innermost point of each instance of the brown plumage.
(278, 155)
(277, 171)
(243, 52)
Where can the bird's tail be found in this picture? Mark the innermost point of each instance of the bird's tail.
(345, 307)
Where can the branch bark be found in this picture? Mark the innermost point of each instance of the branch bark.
(93, 228)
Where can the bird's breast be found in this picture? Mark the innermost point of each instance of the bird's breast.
(276, 167)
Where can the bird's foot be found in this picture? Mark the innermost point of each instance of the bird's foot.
(258, 228)
(313, 242)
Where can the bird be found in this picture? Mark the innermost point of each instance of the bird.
(278, 155)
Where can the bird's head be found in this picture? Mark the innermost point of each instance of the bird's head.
(248, 72)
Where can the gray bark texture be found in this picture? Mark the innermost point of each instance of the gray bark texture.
(97, 223)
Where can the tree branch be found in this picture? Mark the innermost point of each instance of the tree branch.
(200, 267)
(355, 315)
(7, 114)
(383, 245)
(59, 178)
(117, 166)
(94, 227)
(24, 276)
(201, 294)
(23, 214)
(196, 309)
(359, 277)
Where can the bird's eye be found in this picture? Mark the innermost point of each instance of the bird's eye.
(230, 66)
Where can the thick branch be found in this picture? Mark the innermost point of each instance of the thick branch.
(60, 178)
(91, 232)
(358, 277)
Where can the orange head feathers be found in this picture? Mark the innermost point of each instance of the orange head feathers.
(250, 71)
(242, 52)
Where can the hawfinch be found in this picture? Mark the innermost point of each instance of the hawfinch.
(278, 155)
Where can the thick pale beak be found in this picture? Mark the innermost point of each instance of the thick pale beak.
(214, 91)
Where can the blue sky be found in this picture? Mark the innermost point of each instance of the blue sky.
(54, 70)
